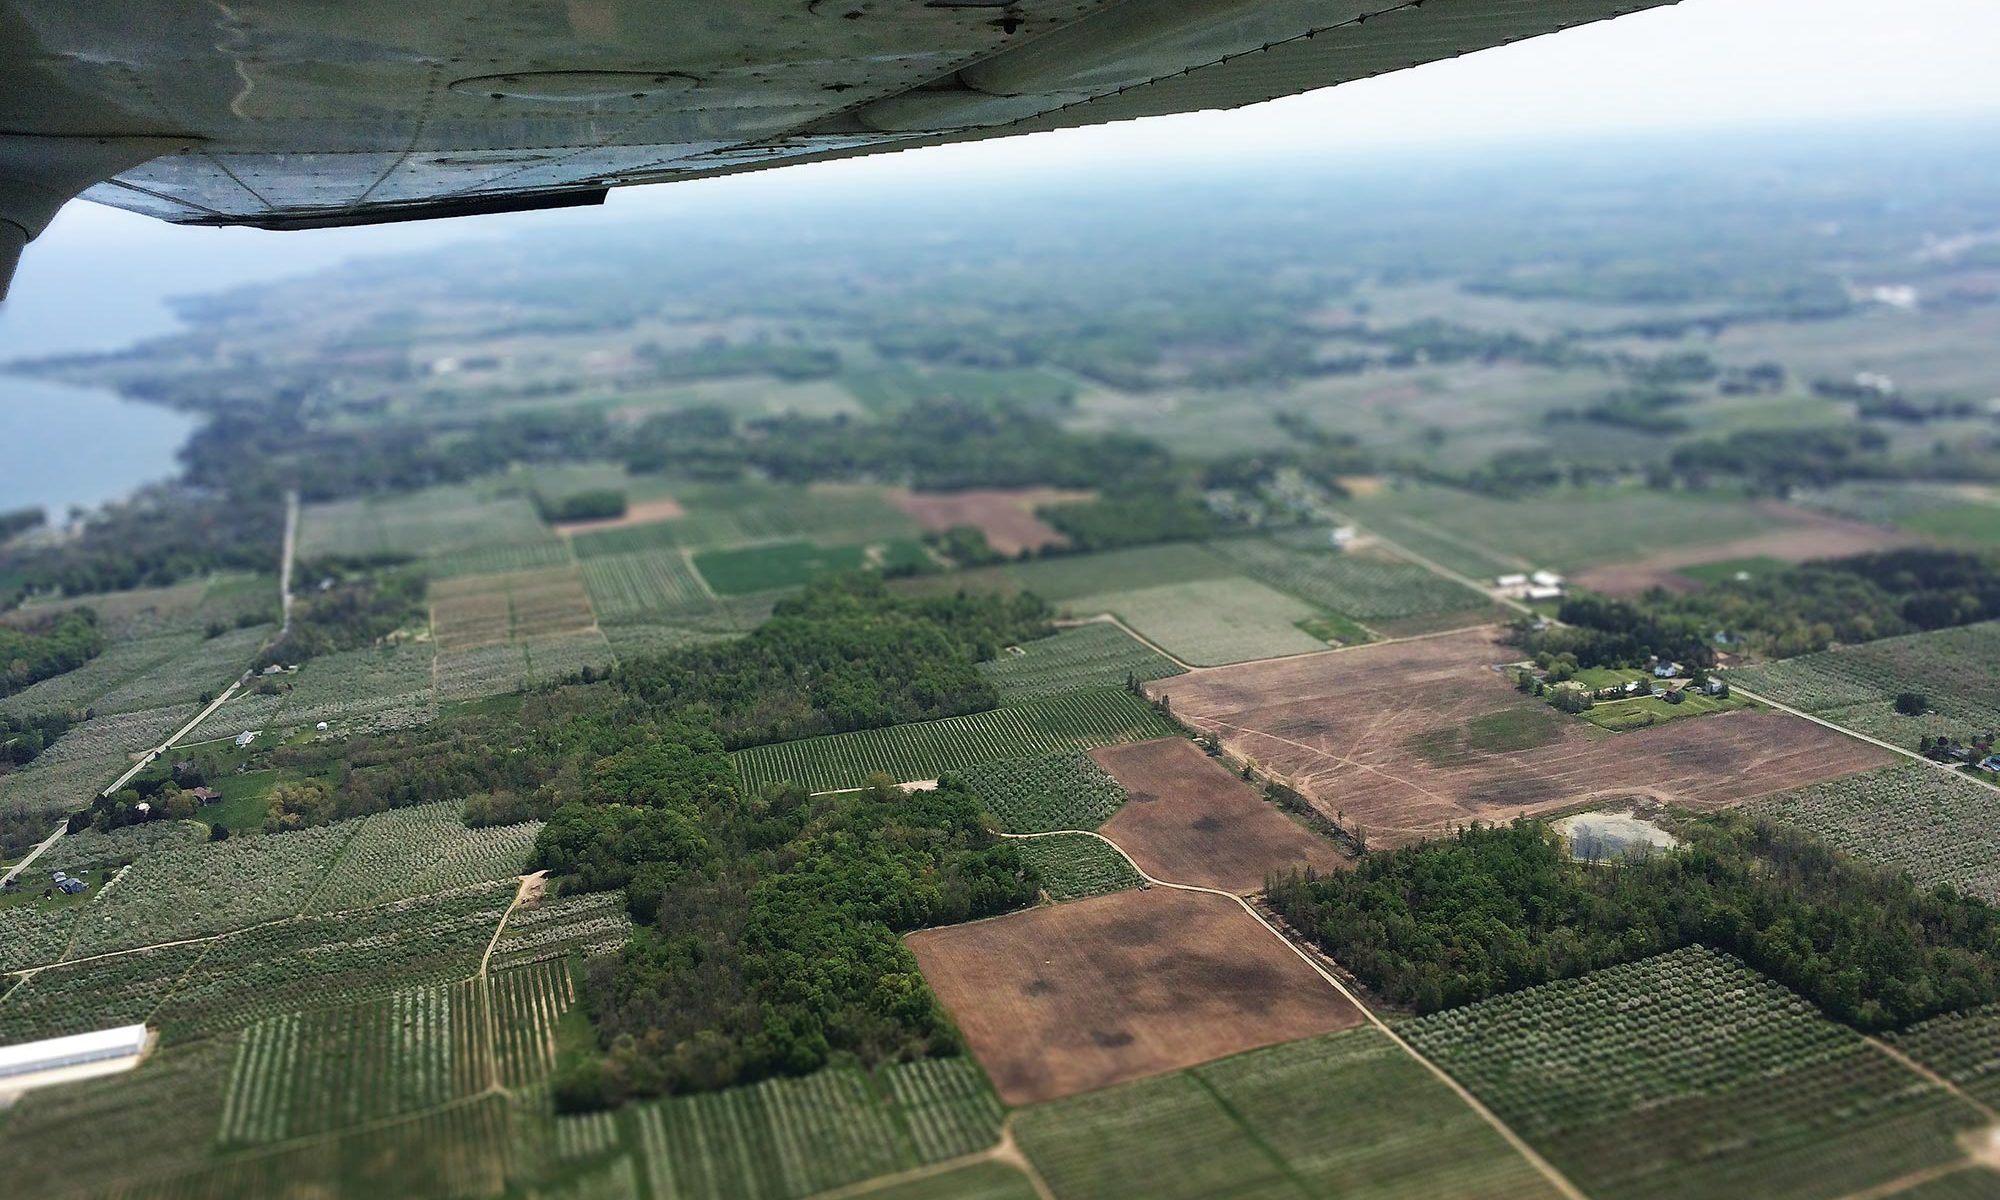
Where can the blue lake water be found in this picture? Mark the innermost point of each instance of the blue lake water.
(63, 446)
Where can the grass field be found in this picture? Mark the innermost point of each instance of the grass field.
(1077, 721)
(1564, 531)
(1346, 1115)
(1371, 587)
(1938, 826)
(1729, 568)
(1689, 1074)
(1972, 523)
(1041, 795)
(382, 688)
(1066, 577)
(1088, 656)
(1075, 865)
(435, 521)
(1856, 686)
(780, 565)
(1212, 622)
(475, 610)
(1645, 711)
(660, 585)
(719, 516)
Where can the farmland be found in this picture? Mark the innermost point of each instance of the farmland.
(1564, 531)
(1856, 686)
(419, 851)
(1345, 1115)
(1039, 795)
(1806, 535)
(1065, 999)
(592, 923)
(1065, 578)
(1962, 1047)
(476, 609)
(1403, 740)
(1006, 517)
(88, 758)
(1075, 865)
(624, 586)
(780, 565)
(1643, 712)
(723, 515)
(528, 1002)
(1688, 1074)
(383, 687)
(1077, 721)
(1939, 827)
(1096, 655)
(1189, 820)
(1213, 621)
(436, 521)
(1391, 594)
(94, 995)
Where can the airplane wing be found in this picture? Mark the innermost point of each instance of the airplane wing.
(292, 114)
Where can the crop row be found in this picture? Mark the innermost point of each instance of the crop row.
(1211, 622)
(1938, 826)
(624, 585)
(1089, 656)
(1950, 668)
(362, 686)
(947, 1104)
(1962, 1047)
(94, 995)
(1041, 795)
(527, 1002)
(593, 923)
(435, 521)
(1077, 721)
(1690, 1066)
(420, 851)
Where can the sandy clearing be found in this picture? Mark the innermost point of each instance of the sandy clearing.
(1191, 821)
(1006, 516)
(1377, 738)
(1066, 999)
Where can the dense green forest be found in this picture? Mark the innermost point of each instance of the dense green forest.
(1780, 613)
(37, 650)
(1497, 908)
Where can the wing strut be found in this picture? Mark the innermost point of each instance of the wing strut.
(39, 174)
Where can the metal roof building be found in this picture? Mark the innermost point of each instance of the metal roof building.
(26, 1058)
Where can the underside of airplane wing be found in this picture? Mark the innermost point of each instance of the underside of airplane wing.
(308, 113)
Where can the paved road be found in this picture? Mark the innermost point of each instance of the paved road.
(32, 855)
(285, 563)
(1912, 755)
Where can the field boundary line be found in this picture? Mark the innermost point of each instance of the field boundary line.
(1903, 1183)
(1142, 639)
(1856, 734)
(1437, 568)
(1548, 1171)
(1920, 1069)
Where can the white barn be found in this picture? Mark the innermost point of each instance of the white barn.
(78, 1049)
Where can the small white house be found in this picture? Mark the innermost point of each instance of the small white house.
(1541, 593)
(1546, 579)
(245, 738)
(321, 727)
(1666, 670)
(1511, 581)
(1342, 536)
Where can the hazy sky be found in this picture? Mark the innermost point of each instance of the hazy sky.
(1699, 63)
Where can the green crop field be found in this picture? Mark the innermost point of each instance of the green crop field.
(1564, 531)
(104, 992)
(1042, 795)
(589, 924)
(1962, 1047)
(111, 671)
(1937, 825)
(1643, 712)
(495, 560)
(87, 759)
(1972, 523)
(1065, 577)
(979, 1181)
(1369, 586)
(1348, 1115)
(718, 516)
(1856, 686)
(1730, 568)
(385, 687)
(929, 749)
(780, 565)
(1088, 656)
(624, 586)
(1689, 1074)
(1212, 622)
(436, 521)
(1075, 865)
(419, 851)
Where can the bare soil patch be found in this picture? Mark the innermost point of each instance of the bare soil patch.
(1391, 740)
(1056, 1001)
(646, 512)
(1814, 535)
(1006, 516)
(1190, 821)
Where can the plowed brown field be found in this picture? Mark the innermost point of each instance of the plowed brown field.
(1006, 516)
(1190, 821)
(1816, 535)
(1060, 1000)
(1387, 739)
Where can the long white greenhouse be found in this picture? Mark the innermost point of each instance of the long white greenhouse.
(49, 1054)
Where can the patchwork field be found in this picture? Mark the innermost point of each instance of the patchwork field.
(1856, 686)
(779, 565)
(1809, 535)
(1055, 1001)
(1067, 577)
(624, 586)
(386, 687)
(435, 521)
(1691, 1075)
(1346, 1116)
(1189, 820)
(1939, 826)
(718, 516)
(1007, 517)
(1210, 622)
(1076, 865)
(1041, 795)
(929, 749)
(1096, 655)
(1402, 741)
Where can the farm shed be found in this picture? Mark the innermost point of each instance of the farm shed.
(28, 1058)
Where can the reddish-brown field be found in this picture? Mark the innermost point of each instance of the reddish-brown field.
(1409, 739)
(1191, 821)
(1060, 1000)
(1007, 517)
(1815, 535)
(666, 508)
